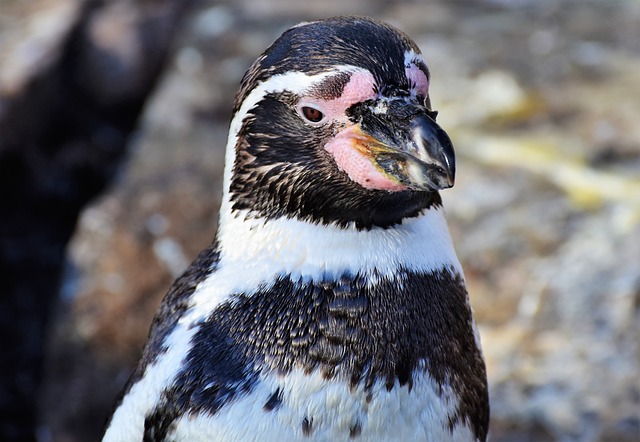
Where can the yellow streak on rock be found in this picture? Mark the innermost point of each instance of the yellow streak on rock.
(587, 187)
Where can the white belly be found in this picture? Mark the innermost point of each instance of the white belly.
(332, 411)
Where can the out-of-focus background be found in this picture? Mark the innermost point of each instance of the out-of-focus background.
(113, 121)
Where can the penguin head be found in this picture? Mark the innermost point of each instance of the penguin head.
(333, 124)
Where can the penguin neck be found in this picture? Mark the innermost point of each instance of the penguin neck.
(310, 251)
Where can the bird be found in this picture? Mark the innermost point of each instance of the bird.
(331, 304)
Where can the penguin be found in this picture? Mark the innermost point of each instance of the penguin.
(331, 305)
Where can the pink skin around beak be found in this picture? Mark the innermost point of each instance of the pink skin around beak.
(370, 162)
(351, 150)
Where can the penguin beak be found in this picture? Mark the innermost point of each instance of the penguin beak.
(404, 143)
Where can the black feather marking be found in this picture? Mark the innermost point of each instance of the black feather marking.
(307, 426)
(324, 352)
(161, 421)
(338, 330)
(355, 430)
(274, 401)
(409, 318)
(331, 87)
(352, 307)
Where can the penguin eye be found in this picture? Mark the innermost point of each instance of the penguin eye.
(312, 114)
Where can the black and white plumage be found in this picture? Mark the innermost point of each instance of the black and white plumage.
(332, 305)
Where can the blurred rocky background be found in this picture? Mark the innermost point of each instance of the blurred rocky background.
(113, 121)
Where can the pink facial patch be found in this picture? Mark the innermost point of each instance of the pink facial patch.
(359, 168)
(416, 76)
(361, 87)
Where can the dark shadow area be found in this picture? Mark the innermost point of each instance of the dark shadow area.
(63, 137)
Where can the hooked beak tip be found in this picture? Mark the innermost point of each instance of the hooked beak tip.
(450, 181)
(436, 152)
